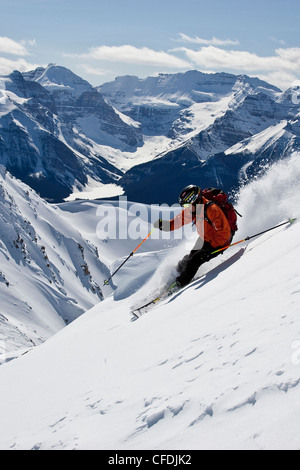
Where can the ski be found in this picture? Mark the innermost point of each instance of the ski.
(139, 311)
(174, 289)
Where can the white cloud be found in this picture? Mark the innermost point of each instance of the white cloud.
(19, 50)
(134, 55)
(214, 57)
(207, 42)
(7, 66)
(281, 79)
(9, 46)
(281, 68)
(94, 70)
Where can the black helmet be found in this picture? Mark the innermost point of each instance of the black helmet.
(189, 195)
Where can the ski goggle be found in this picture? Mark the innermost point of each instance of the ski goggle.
(189, 199)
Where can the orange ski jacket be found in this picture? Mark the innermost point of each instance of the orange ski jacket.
(212, 225)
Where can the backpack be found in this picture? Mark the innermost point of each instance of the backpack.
(217, 196)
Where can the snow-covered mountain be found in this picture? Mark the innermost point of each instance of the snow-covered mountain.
(65, 138)
(54, 259)
(243, 135)
(49, 272)
(170, 104)
(81, 108)
(214, 367)
(55, 129)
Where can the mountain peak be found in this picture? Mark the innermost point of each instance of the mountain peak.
(57, 78)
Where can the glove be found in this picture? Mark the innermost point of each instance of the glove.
(163, 225)
(157, 224)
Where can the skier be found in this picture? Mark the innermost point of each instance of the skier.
(212, 226)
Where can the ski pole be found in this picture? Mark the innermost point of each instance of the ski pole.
(290, 221)
(129, 256)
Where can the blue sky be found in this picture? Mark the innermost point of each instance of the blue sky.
(101, 39)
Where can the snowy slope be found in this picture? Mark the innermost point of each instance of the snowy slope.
(214, 367)
(49, 273)
(54, 259)
(262, 141)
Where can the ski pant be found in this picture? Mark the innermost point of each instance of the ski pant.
(190, 264)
